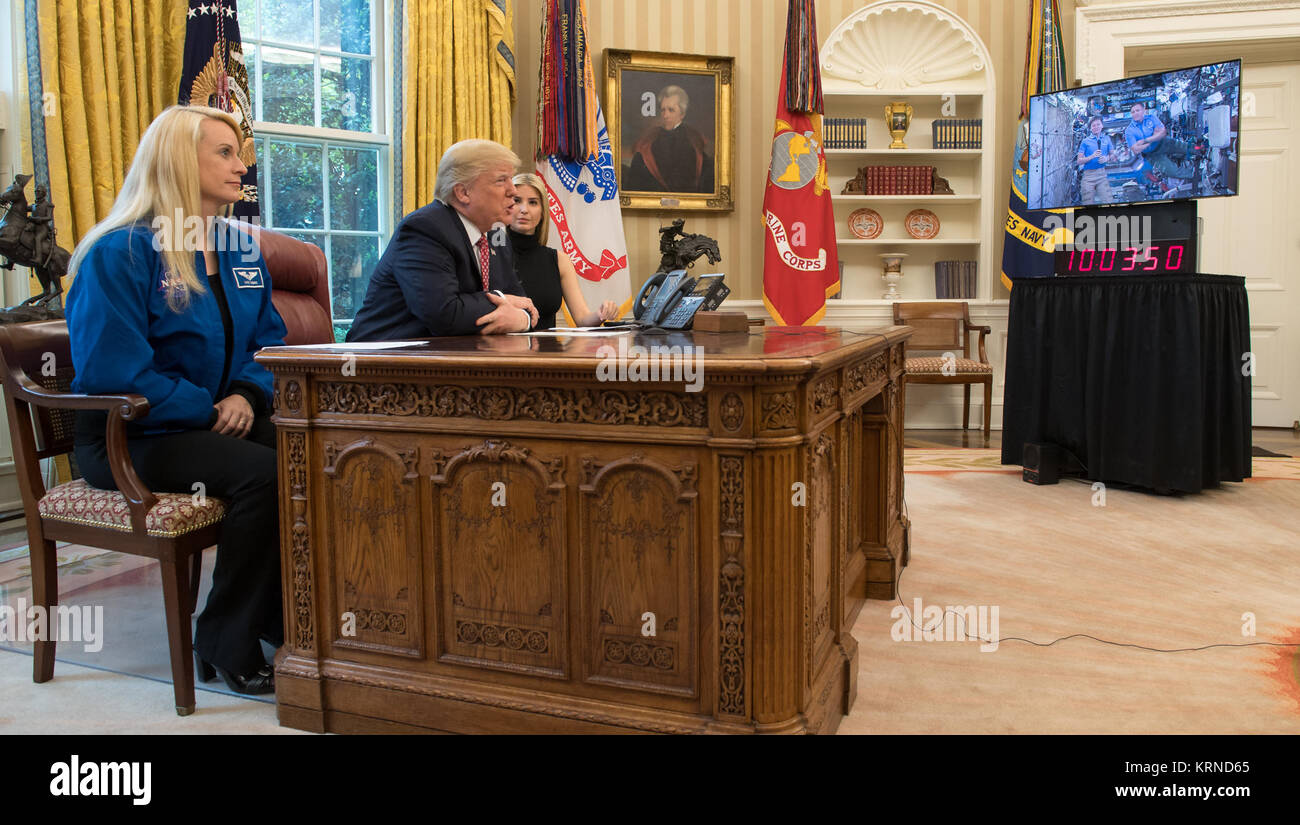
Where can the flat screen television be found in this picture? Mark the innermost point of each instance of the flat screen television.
(1158, 137)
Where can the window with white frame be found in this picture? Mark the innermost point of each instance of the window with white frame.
(316, 71)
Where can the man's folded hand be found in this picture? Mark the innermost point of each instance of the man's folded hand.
(523, 303)
(507, 317)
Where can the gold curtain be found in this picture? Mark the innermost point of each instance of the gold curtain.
(108, 68)
(456, 84)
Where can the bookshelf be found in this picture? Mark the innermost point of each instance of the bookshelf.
(920, 53)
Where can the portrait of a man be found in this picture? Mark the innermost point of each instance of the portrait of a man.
(670, 125)
(671, 155)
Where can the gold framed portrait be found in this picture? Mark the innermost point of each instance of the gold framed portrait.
(670, 124)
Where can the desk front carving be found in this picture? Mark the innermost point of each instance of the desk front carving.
(486, 540)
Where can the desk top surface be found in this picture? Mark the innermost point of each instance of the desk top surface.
(762, 349)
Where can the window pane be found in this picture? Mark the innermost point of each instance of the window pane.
(250, 64)
(354, 189)
(345, 93)
(288, 94)
(345, 25)
(246, 17)
(288, 21)
(352, 259)
(259, 149)
(297, 191)
(315, 238)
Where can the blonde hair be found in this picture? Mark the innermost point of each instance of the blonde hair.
(543, 228)
(465, 161)
(163, 181)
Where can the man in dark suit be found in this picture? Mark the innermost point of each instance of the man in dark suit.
(448, 269)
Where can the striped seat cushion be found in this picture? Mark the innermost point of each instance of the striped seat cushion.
(934, 366)
(174, 515)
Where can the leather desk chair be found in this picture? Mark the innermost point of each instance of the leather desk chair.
(299, 287)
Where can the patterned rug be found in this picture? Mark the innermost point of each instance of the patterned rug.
(79, 567)
(990, 461)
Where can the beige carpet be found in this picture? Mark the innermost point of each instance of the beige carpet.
(81, 700)
(1148, 570)
(1160, 572)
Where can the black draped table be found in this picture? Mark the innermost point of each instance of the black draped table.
(1140, 378)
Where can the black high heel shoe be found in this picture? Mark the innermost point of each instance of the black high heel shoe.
(255, 684)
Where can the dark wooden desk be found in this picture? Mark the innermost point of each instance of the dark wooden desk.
(475, 531)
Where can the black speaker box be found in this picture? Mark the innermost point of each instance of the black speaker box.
(1042, 463)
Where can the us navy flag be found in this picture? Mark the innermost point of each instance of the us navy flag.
(214, 75)
(1028, 247)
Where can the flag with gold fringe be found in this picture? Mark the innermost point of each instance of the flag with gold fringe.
(214, 75)
(801, 260)
(576, 161)
(1028, 247)
(501, 39)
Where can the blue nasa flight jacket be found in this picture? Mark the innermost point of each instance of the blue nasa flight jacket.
(125, 339)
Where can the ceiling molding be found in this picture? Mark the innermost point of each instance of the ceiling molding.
(1165, 8)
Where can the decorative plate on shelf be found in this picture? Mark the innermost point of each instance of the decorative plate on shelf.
(922, 224)
(866, 224)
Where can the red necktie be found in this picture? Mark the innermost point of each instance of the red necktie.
(484, 262)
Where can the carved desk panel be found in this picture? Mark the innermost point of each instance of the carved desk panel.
(586, 534)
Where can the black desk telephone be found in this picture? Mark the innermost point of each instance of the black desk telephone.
(669, 300)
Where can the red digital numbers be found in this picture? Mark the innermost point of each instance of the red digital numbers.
(1170, 266)
(1130, 259)
(1153, 259)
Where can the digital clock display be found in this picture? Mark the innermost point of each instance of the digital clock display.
(1174, 258)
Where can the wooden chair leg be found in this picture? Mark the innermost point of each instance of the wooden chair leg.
(988, 409)
(45, 592)
(196, 574)
(177, 601)
(965, 407)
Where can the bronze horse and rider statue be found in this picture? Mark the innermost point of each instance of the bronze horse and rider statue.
(681, 249)
(27, 239)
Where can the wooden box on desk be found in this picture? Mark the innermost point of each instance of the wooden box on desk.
(506, 534)
(721, 321)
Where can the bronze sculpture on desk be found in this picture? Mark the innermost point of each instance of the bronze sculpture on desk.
(681, 249)
(27, 239)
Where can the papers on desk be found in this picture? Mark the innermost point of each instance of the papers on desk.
(576, 332)
(373, 347)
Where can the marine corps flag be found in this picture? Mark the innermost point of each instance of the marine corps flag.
(214, 75)
(1028, 249)
(576, 161)
(801, 261)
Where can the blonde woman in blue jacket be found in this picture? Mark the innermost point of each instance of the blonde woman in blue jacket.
(172, 302)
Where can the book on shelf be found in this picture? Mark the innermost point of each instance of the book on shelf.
(899, 180)
(845, 132)
(955, 279)
(958, 133)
